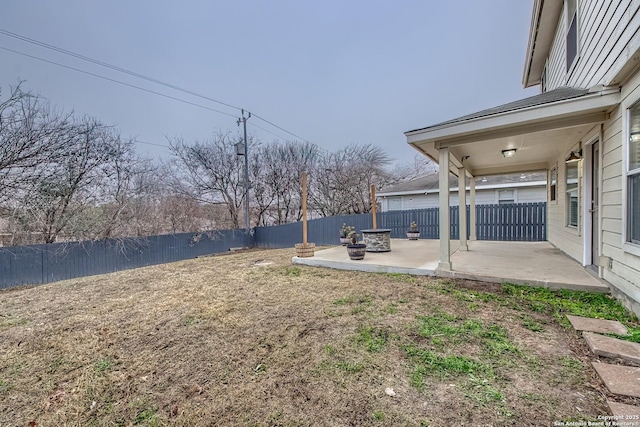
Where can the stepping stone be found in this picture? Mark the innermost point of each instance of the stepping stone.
(612, 347)
(624, 411)
(597, 325)
(624, 380)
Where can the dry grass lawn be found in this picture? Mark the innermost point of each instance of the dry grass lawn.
(249, 339)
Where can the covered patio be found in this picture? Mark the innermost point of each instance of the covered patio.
(523, 136)
(526, 263)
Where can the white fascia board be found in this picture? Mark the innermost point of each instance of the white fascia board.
(574, 107)
(533, 31)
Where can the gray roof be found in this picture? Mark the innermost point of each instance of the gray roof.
(431, 182)
(555, 95)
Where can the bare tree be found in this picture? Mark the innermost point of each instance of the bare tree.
(30, 136)
(276, 185)
(210, 172)
(67, 186)
(344, 179)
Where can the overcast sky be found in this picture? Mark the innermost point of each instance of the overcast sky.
(330, 72)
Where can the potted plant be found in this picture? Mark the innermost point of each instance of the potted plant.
(413, 232)
(356, 250)
(345, 234)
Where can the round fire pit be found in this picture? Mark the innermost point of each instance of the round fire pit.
(378, 240)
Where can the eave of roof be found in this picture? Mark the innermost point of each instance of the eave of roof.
(556, 95)
(544, 21)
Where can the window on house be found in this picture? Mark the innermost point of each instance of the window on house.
(506, 197)
(553, 187)
(395, 203)
(633, 176)
(572, 194)
(572, 32)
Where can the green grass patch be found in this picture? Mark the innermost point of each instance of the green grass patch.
(378, 415)
(391, 308)
(531, 324)
(350, 367)
(446, 330)
(355, 299)
(292, 271)
(481, 391)
(374, 340)
(147, 417)
(561, 302)
(399, 277)
(428, 363)
(103, 365)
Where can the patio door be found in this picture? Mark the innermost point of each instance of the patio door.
(595, 203)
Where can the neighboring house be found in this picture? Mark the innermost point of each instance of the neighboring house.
(423, 192)
(583, 129)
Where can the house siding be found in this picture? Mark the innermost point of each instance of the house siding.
(567, 239)
(605, 31)
(624, 273)
(483, 197)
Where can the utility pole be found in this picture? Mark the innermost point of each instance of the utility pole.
(245, 152)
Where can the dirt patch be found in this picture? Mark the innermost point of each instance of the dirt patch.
(249, 339)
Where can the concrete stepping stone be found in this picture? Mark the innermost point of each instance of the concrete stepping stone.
(623, 380)
(597, 325)
(612, 347)
(625, 412)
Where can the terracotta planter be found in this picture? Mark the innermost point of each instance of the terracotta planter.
(413, 235)
(356, 251)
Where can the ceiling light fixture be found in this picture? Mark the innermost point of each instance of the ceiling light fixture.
(509, 153)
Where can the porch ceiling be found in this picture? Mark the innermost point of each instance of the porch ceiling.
(538, 132)
(535, 151)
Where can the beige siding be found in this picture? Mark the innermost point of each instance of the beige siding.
(556, 62)
(483, 197)
(605, 32)
(624, 273)
(567, 239)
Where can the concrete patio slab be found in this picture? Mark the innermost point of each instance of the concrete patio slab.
(626, 413)
(527, 263)
(623, 380)
(613, 347)
(597, 325)
(406, 256)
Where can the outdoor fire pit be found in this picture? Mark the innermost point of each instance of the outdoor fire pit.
(378, 240)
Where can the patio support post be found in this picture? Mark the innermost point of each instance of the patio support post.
(472, 208)
(445, 221)
(462, 207)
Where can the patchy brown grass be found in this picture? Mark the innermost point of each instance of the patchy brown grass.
(249, 339)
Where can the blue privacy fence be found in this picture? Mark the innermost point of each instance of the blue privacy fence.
(36, 264)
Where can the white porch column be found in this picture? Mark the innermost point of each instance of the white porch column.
(445, 243)
(472, 208)
(462, 207)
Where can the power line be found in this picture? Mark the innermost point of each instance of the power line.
(150, 143)
(113, 67)
(116, 81)
(134, 74)
(282, 129)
